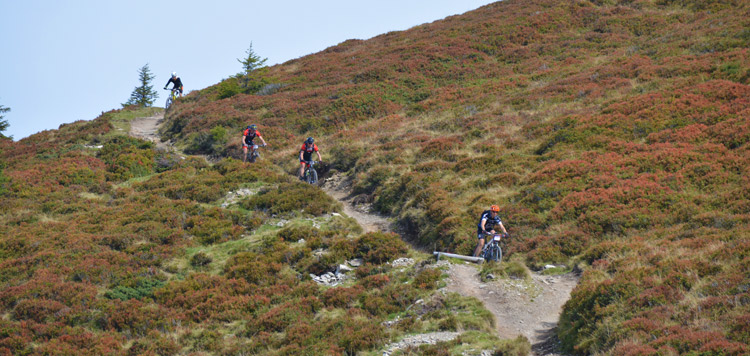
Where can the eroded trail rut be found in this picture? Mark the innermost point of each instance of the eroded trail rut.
(529, 308)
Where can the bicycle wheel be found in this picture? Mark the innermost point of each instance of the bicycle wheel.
(310, 175)
(493, 253)
(498, 254)
(169, 102)
(313, 176)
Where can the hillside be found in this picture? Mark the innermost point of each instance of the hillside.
(613, 134)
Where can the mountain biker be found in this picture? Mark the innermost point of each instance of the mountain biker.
(488, 220)
(250, 133)
(305, 154)
(177, 83)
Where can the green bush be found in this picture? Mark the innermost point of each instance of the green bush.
(200, 259)
(228, 88)
(292, 197)
(141, 289)
(127, 157)
(297, 232)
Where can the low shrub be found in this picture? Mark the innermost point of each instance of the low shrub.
(200, 259)
(342, 297)
(378, 247)
(142, 288)
(252, 268)
(292, 197)
(520, 346)
(428, 278)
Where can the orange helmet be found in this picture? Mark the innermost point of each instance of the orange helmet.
(495, 208)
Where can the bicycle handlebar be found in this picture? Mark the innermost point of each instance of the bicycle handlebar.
(487, 233)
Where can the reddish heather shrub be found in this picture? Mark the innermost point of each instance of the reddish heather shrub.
(342, 297)
(374, 281)
(378, 247)
(252, 268)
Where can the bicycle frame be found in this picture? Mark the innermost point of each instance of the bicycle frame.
(492, 250)
(310, 174)
(171, 98)
(252, 153)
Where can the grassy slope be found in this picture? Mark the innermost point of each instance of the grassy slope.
(111, 247)
(614, 134)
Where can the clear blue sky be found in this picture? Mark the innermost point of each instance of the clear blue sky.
(69, 60)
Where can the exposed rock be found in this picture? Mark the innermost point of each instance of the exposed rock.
(421, 339)
(235, 196)
(329, 278)
(355, 262)
(402, 262)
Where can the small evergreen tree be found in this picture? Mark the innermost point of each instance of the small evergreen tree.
(252, 61)
(3, 123)
(253, 66)
(143, 95)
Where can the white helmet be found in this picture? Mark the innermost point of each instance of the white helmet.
(174, 74)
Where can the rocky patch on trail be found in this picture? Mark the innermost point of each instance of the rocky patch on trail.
(421, 339)
(237, 195)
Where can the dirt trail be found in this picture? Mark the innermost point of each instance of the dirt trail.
(529, 308)
(147, 128)
(339, 188)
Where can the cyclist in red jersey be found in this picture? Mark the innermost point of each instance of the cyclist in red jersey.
(247, 140)
(305, 154)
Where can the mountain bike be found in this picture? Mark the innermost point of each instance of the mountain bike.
(253, 154)
(171, 98)
(492, 250)
(310, 175)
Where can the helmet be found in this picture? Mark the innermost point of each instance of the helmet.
(495, 208)
(252, 127)
(310, 140)
(174, 74)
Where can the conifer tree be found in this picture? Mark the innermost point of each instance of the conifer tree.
(3, 123)
(252, 61)
(253, 67)
(143, 95)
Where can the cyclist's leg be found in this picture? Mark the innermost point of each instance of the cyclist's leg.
(480, 244)
(244, 152)
(302, 166)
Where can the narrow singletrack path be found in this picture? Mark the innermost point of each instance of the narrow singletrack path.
(146, 128)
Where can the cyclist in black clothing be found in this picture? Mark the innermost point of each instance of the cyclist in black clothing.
(488, 220)
(177, 83)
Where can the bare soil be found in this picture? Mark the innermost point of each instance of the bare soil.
(146, 128)
(529, 308)
(358, 207)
